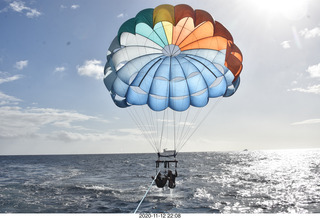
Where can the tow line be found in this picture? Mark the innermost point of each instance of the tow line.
(145, 195)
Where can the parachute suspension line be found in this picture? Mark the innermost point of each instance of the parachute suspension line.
(196, 115)
(197, 127)
(174, 130)
(184, 125)
(193, 124)
(145, 128)
(147, 119)
(145, 195)
(166, 125)
(137, 120)
(152, 126)
(164, 114)
(179, 129)
(150, 118)
(193, 113)
(142, 129)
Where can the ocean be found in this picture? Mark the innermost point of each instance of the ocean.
(278, 181)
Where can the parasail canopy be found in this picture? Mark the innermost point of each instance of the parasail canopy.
(171, 57)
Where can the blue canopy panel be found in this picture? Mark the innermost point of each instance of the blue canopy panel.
(159, 90)
(232, 88)
(140, 86)
(217, 58)
(215, 80)
(150, 77)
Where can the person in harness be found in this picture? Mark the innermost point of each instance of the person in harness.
(172, 179)
(161, 180)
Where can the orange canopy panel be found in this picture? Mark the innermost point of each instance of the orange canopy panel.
(215, 43)
(182, 30)
(202, 31)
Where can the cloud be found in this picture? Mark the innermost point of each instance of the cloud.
(6, 99)
(21, 64)
(74, 7)
(314, 71)
(19, 6)
(68, 136)
(4, 78)
(307, 34)
(315, 89)
(71, 136)
(59, 69)
(91, 68)
(25, 122)
(285, 44)
(307, 122)
(120, 15)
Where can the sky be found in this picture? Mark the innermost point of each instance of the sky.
(53, 99)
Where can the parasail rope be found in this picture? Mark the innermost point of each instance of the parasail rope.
(214, 105)
(142, 128)
(174, 130)
(193, 124)
(184, 126)
(145, 195)
(164, 114)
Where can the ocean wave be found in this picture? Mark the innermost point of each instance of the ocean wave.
(98, 188)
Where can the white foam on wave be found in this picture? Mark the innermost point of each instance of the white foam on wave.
(202, 193)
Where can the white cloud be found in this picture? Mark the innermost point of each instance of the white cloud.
(19, 6)
(307, 34)
(307, 122)
(59, 69)
(315, 89)
(4, 78)
(21, 64)
(294, 82)
(19, 122)
(314, 71)
(6, 99)
(68, 136)
(285, 44)
(91, 68)
(74, 6)
(33, 13)
(120, 15)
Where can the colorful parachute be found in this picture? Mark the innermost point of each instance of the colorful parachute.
(172, 57)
